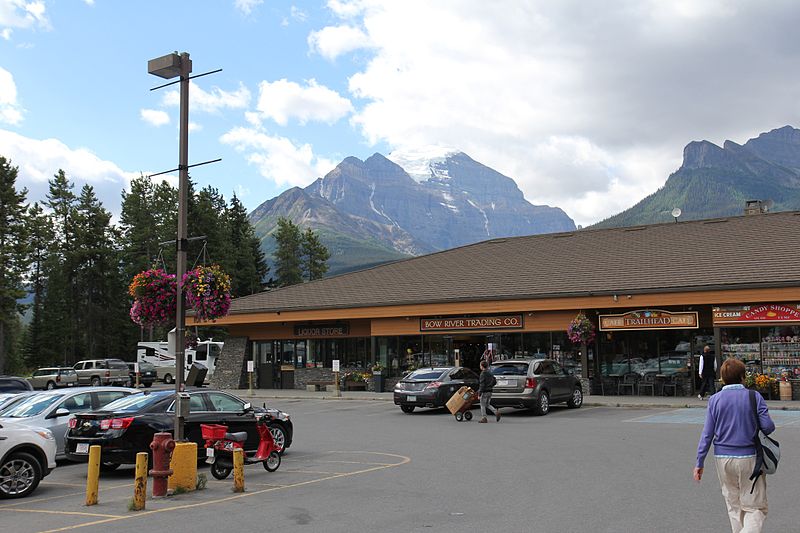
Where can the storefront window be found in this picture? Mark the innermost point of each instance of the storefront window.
(780, 351)
(535, 344)
(510, 345)
(565, 352)
(436, 351)
(410, 354)
(300, 354)
(386, 353)
(356, 353)
(743, 344)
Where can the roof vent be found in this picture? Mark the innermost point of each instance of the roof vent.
(496, 241)
(563, 235)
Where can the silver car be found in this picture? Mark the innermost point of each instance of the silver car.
(53, 409)
(54, 378)
(534, 384)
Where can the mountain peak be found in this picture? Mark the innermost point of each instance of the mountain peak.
(421, 162)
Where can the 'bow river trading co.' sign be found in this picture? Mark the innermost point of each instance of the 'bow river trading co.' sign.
(474, 322)
(649, 319)
(744, 314)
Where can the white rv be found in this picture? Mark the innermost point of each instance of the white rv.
(162, 355)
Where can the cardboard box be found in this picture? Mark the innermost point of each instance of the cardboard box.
(460, 400)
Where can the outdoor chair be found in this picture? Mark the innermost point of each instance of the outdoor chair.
(670, 384)
(628, 381)
(648, 381)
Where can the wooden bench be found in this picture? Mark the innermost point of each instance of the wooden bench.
(313, 386)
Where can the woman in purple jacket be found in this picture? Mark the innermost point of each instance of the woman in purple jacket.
(731, 426)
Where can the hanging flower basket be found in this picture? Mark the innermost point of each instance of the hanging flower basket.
(154, 293)
(580, 330)
(208, 292)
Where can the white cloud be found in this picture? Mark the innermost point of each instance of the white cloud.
(89, 2)
(22, 15)
(298, 14)
(154, 117)
(6, 34)
(247, 6)
(332, 41)
(210, 102)
(39, 159)
(10, 110)
(282, 100)
(277, 158)
(194, 126)
(602, 97)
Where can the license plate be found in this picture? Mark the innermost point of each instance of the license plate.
(70, 384)
(209, 452)
(411, 398)
(502, 382)
(82, 447)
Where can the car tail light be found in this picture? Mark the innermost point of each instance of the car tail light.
(108, 373)
(72, 423)
(433, 385)
(530, 383)
(105, 424)
(121, 423)
(58, 378)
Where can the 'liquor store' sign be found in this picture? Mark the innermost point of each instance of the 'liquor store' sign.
(322, 330)
(649, 319)
(473, 322)
(744, 314)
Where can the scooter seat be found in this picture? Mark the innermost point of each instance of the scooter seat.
(239, 436)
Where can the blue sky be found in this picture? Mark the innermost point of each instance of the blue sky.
(586, 106)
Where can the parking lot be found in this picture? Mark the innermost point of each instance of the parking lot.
(363, 465)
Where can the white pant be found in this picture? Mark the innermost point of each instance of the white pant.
(746, 511)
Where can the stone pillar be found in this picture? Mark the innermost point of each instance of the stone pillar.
(231, 369)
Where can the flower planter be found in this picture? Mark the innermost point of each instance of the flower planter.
(355, 385)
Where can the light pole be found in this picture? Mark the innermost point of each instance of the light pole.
(168, 67)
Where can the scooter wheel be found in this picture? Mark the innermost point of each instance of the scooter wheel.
(219, 471)
(273, 462)
(459, 416)
(468, 415)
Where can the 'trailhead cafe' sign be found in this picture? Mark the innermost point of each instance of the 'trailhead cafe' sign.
(472, 322)
(748, 314)
(649, 319)
(321, 330)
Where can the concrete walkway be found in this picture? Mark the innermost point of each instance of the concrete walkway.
(653, 402)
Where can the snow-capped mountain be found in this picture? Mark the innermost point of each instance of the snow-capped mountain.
(414, 202)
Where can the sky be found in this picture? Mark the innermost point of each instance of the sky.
(587, 105)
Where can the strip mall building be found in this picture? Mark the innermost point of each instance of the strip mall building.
(657, 294)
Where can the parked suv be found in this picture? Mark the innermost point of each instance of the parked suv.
(97, 372)
(26, 456)
(53, 378)
(147, 373)
(534, 384)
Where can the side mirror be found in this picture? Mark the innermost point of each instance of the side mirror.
(58, 413)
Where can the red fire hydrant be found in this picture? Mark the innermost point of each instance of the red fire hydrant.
(162, 447)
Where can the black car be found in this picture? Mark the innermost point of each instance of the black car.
(14, 384)
(432, 387)
(125, 427)
(147, 374)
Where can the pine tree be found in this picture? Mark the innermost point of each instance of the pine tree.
(13, 258)
(250, 268)
(40, 238)
(207, 218)
(315, 256)
(288, 266)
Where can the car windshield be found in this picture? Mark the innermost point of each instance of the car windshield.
(136, 402)
(509, 369)
(146, 366)
(425, 374)
(32, 406)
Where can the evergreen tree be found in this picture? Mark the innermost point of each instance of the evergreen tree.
(288, 262)
(40, 238)
(315, 256)
(250, 268)
(207, 217)
(13, 258)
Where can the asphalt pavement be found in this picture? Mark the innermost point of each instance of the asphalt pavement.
(361, 464)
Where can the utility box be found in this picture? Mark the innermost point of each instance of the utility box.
(287, 376)
(197, 375)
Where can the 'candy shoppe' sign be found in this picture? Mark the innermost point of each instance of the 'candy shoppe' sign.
(746, 314)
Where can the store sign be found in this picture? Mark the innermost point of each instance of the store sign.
(649, 319)
(473, 322)
(322, 330)
(746, 314)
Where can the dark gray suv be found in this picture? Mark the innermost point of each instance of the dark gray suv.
(534, 384)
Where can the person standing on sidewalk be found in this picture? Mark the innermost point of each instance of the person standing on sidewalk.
(486, 383)
(731, 426)
(708, 372)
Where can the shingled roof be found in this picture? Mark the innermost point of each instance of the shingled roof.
(736, 252)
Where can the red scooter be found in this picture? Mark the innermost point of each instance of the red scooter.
(220, 445)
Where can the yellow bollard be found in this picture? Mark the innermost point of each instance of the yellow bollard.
(140, 482)
(93, 475)
(238, 470)
(184, 467)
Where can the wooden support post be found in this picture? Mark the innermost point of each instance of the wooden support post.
(93, 475)
(238, 470)
(140, 482)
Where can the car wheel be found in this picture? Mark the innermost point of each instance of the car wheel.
(20, 474)
(50, 385)
(95, 381)
(542, 404)
(273, 462)
(168, 379)
(407, 409)
(279, 436)
(576, 400)
(108, 467)
(219, 471)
